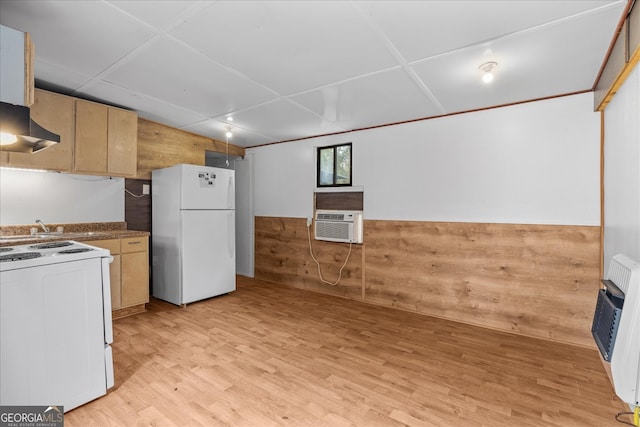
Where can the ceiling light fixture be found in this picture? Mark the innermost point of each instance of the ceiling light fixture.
(487, 71)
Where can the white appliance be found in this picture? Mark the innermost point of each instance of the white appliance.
(193, 233)
(625, 361)
(339, 226)
(55, 324)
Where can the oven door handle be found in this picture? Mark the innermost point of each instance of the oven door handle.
(106, 299)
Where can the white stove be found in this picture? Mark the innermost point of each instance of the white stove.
(25, 256)
(55, 324)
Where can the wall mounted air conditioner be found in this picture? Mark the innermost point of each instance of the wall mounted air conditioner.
(339, 226)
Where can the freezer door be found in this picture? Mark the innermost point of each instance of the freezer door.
(205, 187)
(208, 254)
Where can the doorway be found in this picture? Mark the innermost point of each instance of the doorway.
(244, 206)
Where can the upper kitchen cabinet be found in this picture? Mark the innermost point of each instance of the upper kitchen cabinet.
(122, 142)
(92, 120)
(56, 113)
(106, 140)
(16, 67)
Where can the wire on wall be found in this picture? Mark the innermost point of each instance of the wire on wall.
(635, 414)
(134, 195)
(318, 263)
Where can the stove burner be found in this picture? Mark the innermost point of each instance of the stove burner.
(75, 251)
(51, 245)
(20, 256)
(6, 249)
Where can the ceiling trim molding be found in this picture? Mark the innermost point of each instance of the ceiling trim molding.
(621, 58)
(422, 119)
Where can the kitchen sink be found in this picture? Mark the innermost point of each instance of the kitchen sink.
(48, 234)
(84, 234)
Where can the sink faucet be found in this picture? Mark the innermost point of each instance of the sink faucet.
(44, 227)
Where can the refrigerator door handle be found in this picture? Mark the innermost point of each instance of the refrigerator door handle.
(231, 229)
(230, 193)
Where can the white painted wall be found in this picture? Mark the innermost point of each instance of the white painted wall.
(622, 171)
(284, 178)
(59, 198)
(533, 163)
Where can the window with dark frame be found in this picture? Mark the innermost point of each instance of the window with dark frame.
(334, 166)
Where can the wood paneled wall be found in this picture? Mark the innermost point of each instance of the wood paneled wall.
(282, 256)
(348, 201)
(534, 280)
(161, 146)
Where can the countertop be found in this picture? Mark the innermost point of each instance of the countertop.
(12, 235)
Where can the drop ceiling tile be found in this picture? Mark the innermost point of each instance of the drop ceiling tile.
(551, 60)
(158, 14)
(387, 97)
(281, 120)
(216, 129)
(54, 74)
(288, 46)
(147, 107)
(423, 29)
(170, 71)
(85, 36)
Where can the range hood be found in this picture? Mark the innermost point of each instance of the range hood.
(21, 134)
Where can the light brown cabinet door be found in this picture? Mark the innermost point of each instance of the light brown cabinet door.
(91, 137)
(135, 278)
(122, 142)
(56, 113)
(29, 71)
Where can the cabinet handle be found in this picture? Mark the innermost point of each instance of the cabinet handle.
(134, 243)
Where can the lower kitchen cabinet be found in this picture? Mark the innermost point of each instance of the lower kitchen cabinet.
(129, 273)
(135, 271)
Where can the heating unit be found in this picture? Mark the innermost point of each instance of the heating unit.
(616, 326)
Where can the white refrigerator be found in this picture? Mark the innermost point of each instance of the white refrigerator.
(193, 233)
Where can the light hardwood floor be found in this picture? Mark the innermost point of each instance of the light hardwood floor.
(269, 355)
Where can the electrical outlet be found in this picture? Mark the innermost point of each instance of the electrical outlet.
(308, 221)
(145, 188)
